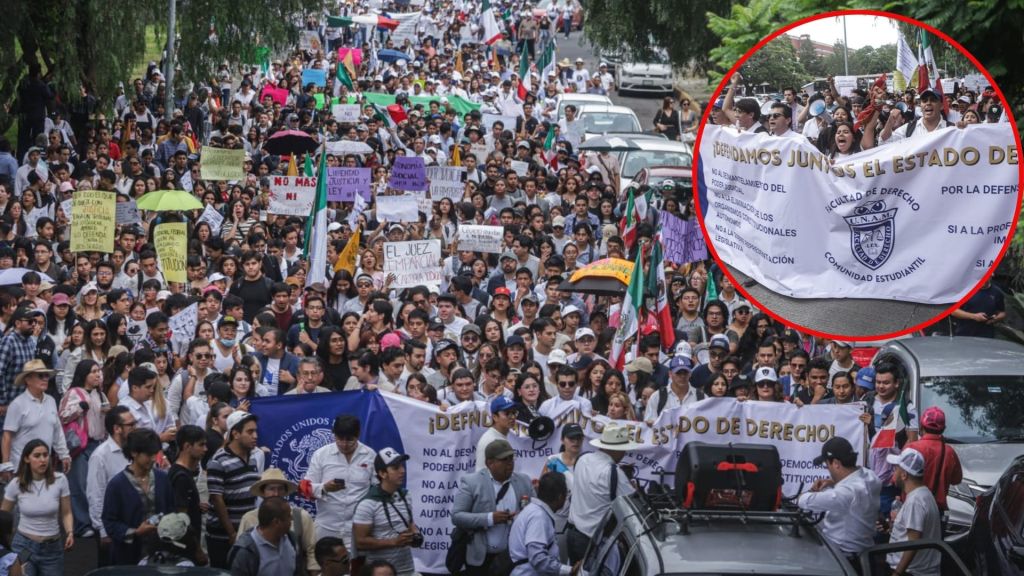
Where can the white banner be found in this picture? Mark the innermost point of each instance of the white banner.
(845, 84)
(346, 113)
(415, 263)
(447, 182)
(919, 220)
(397, 208)
(481, 238)
(521, 168)
(212, 217)
(292, 195)
(406, 29)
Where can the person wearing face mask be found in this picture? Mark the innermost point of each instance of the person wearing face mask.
(227, 350)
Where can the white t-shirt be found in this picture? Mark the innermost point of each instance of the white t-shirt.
(920, 513)
(39, 506)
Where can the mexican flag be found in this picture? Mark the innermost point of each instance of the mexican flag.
(629, 316)
(343, 76)
(490, 24)
(924, 58)
(629, 222)
(384, 115)
(316, 226)
(656, 285)
(896, 422)
(546, 62)
(549, 147)
(525, 84)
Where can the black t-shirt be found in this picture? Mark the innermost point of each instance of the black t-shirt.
(185, 493)
(255, 294)
(988, 300)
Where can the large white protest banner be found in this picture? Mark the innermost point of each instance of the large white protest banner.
(406, 29)
(447, 182)
(481, 238)
(292, 195)
(918, 220)
(397, 208)
(415, 263)
(442, 444)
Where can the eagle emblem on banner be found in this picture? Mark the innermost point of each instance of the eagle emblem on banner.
(872, 233)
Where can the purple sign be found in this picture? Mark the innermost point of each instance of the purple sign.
(344, 183)
(682, 239)
(408, 173)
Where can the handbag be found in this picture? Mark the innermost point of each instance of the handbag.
(76, 432)
(455, 558)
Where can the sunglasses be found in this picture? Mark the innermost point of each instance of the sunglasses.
(765, 384)
(567, 384)
(206, 356)
(776, 115)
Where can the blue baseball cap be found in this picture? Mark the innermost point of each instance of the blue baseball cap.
(866, 377)
(680, 363)
(500, 404)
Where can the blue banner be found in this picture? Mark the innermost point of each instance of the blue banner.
(315, 77)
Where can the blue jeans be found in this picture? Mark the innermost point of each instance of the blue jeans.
(43, 557)
(77, 481)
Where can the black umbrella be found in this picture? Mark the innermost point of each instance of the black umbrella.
(290, 142)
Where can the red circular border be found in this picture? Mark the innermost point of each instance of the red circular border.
(718, 92)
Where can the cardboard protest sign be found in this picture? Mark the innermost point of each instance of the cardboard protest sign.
(222, 164)
(481, 238)
(846, 84)
(315, 77)
(397, 208)
(212, 217)
(447, 182)
(127, 213)
(171, 239)
(479, 150)
(95, 217)
(408, 173)
(292, 195)
(521, 168)
(346, 113)
(344, 183)
(278, 95)
(416, 263)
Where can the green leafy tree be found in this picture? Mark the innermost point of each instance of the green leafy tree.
(775, 65)
(810, 59)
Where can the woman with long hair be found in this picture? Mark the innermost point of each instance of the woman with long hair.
(717, 386)
(95, 346)
(115, 376)
(500, 308)
(59, 319)
(242, 388)
(89, 303)
(371, 265)
(494, 334)
(43, 498)
(844, 141)
(591, 377)
(528, 395)
(73, 341)
(341, 290)
(83, 404)
(620, 408)
(237, 222)
(666, 119)
(333, 353)
(117, 330)
(612, 381)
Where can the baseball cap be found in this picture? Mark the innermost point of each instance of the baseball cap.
(173, 527)
(558, 222)
(933, 419)
(334, 226)
(388, 457)
(227, 320)
(500, 404)
(929, 91)
(444, 344)
(572, 431)
(837, 448)
(843, 343)
(584, 333)
(866, 378)
(471, 329)
(680, 364)
(570, 309)
(529, 297)
(508, 255)
(515, 340)
(502, 291)
(217, 277)
(163, 295)
(498, 450)
(641, 364)
(910, 460)
(765, 373)
(683, 348)
(557, 356)
(60, 299)
(719, 341)
(238, 418)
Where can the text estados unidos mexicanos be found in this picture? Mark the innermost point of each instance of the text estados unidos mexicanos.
(726, 235)
(945, 157)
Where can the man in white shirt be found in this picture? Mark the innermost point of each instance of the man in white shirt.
(141, 387)
(917, 519)
(607, 80)
(503, 416)
(849, 498)
(930, 120)
(679, 392)
(338, 477)
(106, 461)
(567, 398)
(597, 482)
(580, 76)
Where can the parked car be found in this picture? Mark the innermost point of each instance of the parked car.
(653, 152)
(579, 100)
(600, 119)
(653, 75)
(979, 384)
(682, 177)
(997, 535)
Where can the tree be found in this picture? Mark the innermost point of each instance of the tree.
(775, 64)
(810, 59)
(98, 43)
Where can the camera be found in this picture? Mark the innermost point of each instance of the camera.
(417, 540)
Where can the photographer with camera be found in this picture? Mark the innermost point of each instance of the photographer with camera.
(485, 505)
(383, 527)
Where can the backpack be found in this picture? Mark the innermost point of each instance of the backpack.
(76, 432)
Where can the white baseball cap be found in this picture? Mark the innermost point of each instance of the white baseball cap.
(584, 332)
(910, 460)
(237, 418)
(765, 373)
(557, 356)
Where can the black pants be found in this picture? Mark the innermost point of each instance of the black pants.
(494, 565)
(577, 543)
(218, 551)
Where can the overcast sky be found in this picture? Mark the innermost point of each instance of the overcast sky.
(861, 30)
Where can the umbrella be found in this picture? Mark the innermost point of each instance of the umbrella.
(13, 276)
(608, 144)
(389, 55)
(605, 277)
(342, 147)
(167, 200)
(290, 141)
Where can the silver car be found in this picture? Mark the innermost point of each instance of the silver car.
(979, 384)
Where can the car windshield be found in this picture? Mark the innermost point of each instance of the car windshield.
(978, 408)
(601, 122)
(639, 159)
(566, 101)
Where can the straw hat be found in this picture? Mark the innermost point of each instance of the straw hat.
(34, 366)
(270, 476)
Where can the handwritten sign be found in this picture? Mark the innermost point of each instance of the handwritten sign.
(310, 41)
(846, 84)
(346, 113)
(65, 207)
(507, 122)
(416, 263)
(171, 239)
(292, 195)
(212, 217)
(95, 217)
(315, 77)
(682, 240)
(127, 213)
(481, 238)
(408, 173)
(183, 324)
(344, 183)
(447, 182)
(397, 208)
(222, 164)
(521, 168)
(479, 150)
(186, 181)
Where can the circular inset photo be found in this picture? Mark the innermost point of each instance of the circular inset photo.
(858, 175)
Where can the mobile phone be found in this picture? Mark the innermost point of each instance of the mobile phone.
(340, 482)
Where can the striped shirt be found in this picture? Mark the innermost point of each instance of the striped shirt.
(231, 477)
(387, 521)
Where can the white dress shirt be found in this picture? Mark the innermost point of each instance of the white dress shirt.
(497, 534)
(334, 510)
(107, 461)
(591, 490)
(146, 418)
(556, 406)
(651, 413)
(851, 509)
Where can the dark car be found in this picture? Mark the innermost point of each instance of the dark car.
(997, 534)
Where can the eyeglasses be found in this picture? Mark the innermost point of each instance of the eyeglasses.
(776, 115)
(742, 312)
(204, 356)
(308, 373)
